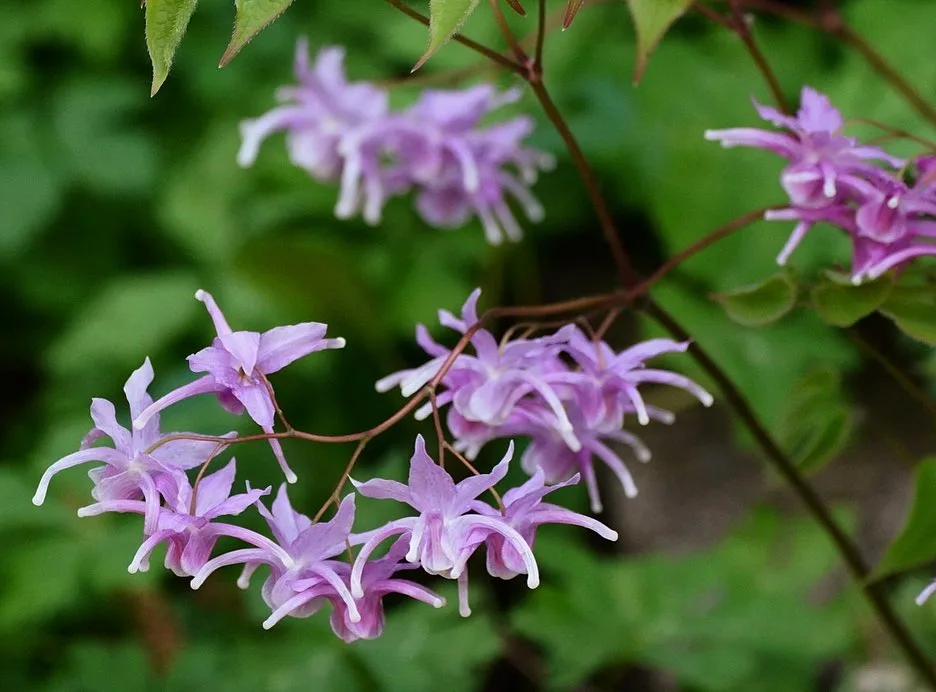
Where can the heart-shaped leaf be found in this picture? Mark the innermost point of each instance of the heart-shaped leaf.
(913, 309)
(166, 21)
(250, 17)
(916, 543)
(761, 303)
(816, 422)
(652, 18)
(841, 303)
(445, 18)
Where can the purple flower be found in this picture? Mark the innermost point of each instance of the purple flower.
(502, 386)
(318, 114)
(525, 511)
(238, 363)
(302, 554)
(829, 179)
(189, 531)
(344, 132)
(135, 467)
(444, 535)
(377, 581)
(822, 159)
(462, 171)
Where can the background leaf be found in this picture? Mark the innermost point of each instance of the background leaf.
(840, 303)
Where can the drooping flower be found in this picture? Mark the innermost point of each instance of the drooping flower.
(302, 554)
(238, 364)
(525, 511)
(138, 465)
(445, 533)
(341, 131)
(318, 113)
(377, 580)
(189, 531)
(822, 159)
(489, 388)
(571, 407)
(831, 178)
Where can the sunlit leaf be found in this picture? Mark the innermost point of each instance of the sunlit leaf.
(652, 18)
(761, 303)
(166, 21)
(916, 542)
(913, 309)
(839, 302)
(251, 16)
(445, 18)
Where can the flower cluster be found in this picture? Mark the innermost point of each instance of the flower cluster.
(147, 472)
(345, 132)
(831, 178)
(569, 393)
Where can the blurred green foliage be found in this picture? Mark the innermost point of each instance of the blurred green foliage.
(115, 208)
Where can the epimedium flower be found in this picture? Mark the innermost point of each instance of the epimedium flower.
(139, 465)
(186, 521)
(445, 533)
(822, 160)
(316, 115)
(344, 132)
(499, 384)
(237, 365)
(377, 580)
(524, 510)
(302, 553)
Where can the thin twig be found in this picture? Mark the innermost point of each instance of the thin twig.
(741, 28)
(515, 47)
(540, 38)
(336, 493)
(461, 457)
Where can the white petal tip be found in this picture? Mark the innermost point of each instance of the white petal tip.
(242, 584)
(291, 477)
(438, 603)
(612, 536)
(196, 583)
(357, 592)
(339, 342)
(201, 294)
(267, 624)
(707, 400)
(464, 611)
(533, 581)
(38, 499)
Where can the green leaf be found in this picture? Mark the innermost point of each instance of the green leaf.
(652, 18)
(445, 18)
(130, 318)
(839, 302)
(761, 303)
(251, 16)
(166, 21)
(913, 310)
(916, 542)
(816, 422)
